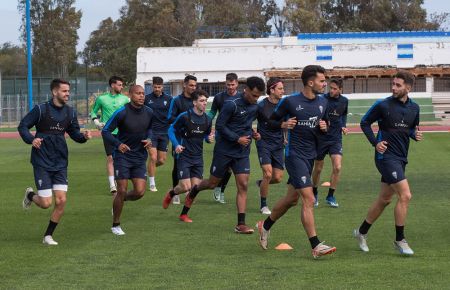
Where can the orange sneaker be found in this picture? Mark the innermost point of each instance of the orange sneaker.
(243, 229)
(185, 218)
(167, 199)
(188, 201)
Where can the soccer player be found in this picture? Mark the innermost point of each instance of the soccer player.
(108, 103)
(398, 121)
(309, 109)
(178, 105)
(231, 92)
(234, 135)
(159, 102)
(331, 143)
(270, 146)
(49, 154)
(187, 134)
(134, 120)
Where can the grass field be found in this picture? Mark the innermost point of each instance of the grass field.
(158, 251)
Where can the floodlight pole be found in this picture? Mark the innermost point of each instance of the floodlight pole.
(30, 66)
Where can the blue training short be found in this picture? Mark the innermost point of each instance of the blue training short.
(392, 171)
(221, 163)
(299, 171)
(46, 181)
(125, 169)
(270, 156)
(189, 168)
(160, 141)
(328, 147)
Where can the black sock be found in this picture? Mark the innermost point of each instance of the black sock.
(364, 228)
(51, 228)
(263, 202)
(224, 181)
(399, 233)
(172, 193)
(268, 223)
(315, 191)
(194, 191)
(314, 241)
(116, 225)
(174, 173)
(185, 210)
(241, 218)
(30, 195)
(331, 192)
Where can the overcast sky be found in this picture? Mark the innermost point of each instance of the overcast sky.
(96, 11)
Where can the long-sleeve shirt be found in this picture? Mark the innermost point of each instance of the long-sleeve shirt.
(160, 106)
(190, 131)
(108, 104)
(397, 123)
(337, 115)
(134, 125)
(303, 138)
(219, 100)
(51, 123)
(234, 121)
(270, 130)
(178, 105)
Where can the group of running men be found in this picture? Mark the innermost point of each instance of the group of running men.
(304, 127)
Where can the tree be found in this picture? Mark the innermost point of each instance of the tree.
(12, 60)
(54, 25)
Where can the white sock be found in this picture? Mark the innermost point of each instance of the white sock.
(111, 181)
(151, 180)
(218, 188)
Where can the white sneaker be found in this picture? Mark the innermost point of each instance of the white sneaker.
(222, 197)
(263, 235)
(48, 240)
(117, 231)
(216, 193)
(152, 188)
(265, 210)
(362, 240)
(26, 203)
(176, 199)
(403, 247)
(113, 189)
(322, 250)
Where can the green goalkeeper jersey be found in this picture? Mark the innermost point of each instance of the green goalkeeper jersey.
(108, 104)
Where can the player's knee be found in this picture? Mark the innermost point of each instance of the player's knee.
(46, 203)
(160, 161)
(405, 197)
(277, 178)
(267, 175)
(185, 187)
(337, 169)
(60, 201)
(109, 159)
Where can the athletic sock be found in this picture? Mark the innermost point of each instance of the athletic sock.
(194, 191)
(185, 210)
(331, 192)
(30, 195)
(115, 225)
(51, 228)
(224, 181)
(111, 181)
(241, 218)
(315, 192)
(314, 241)
(364, 228)
(172, 193)
(399, 233)
(151, 180)
(268, 223)
(263, 202)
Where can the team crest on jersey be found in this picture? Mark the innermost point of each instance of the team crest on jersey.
(321, 109)
(394, 174)
(303, 179)
(299, 108)
(165, 103)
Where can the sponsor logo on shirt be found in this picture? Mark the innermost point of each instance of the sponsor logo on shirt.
(312, 122)
(57, 127)
(401, 124)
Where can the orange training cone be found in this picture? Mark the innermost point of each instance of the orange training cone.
(326, 184)
(283, 247)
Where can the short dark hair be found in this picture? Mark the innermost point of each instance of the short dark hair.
(231, 77)
(271, 83)
(157, 81)
(196, 94)
(406, 76)
(311, 71)
(115, 79)
(56, 83)
(256, 82)
(189, 78)
(338, 82)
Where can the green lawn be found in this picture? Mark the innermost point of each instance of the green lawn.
(158, 251)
